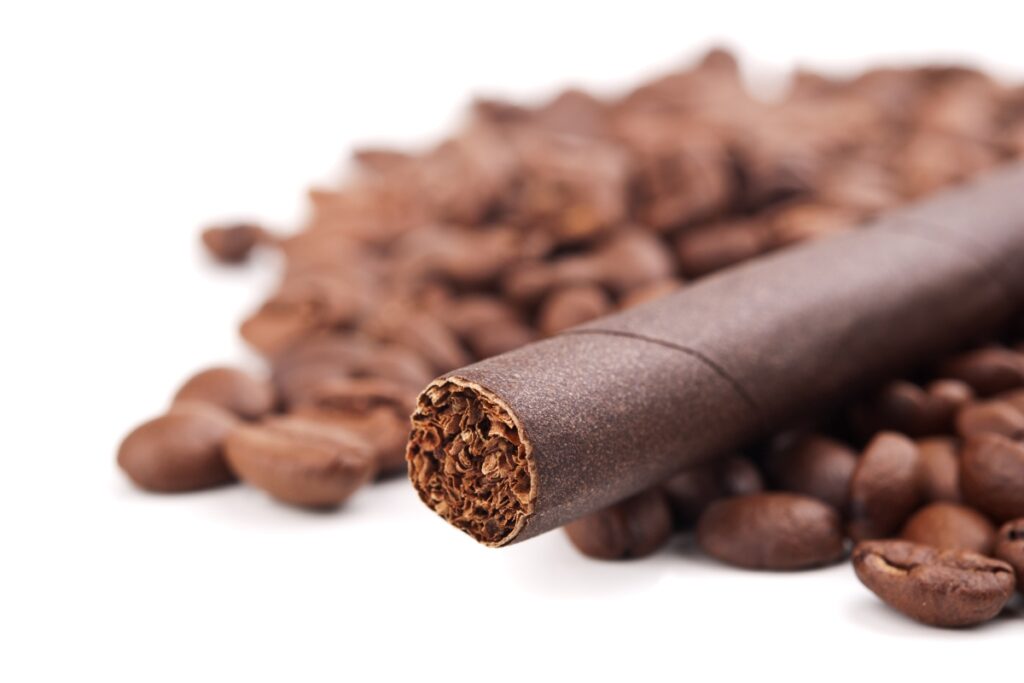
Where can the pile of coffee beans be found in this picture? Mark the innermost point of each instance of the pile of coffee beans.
(926, 477)
(532, 219)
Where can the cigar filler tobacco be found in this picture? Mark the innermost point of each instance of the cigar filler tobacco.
(522, 443)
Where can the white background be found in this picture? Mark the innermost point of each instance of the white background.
(125, 127)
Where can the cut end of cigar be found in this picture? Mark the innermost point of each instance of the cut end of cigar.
(471, 462)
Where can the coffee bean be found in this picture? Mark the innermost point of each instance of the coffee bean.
(886, 487)
(690, 492)
(299, 461)
(951, 526)
(650, 292)
(947, 588)
(771, 531)
(706, 249)
(996, 417)
(231, 389)
(179, 451)
(941, 469)
(907, 408)
(633, 528)
(233, 243)
(988, 371)
(1014, 397)
(814, 465)
(1010, 548)
(565, 308)
(992, 476)
(739, 476)
(377, 410)
(308, 364)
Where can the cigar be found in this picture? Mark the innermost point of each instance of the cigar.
(525, 442)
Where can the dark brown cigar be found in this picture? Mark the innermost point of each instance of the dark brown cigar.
(525, 442)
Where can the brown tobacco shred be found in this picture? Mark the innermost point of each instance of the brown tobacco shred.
(470, 462)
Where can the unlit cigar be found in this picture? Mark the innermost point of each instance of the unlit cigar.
(522, 443)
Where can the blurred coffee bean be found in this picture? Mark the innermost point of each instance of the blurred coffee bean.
(299, 461)
(179, 451)
(307, 364)
(633, 528)
(813, 465)
(988, 371)
(941, 469)
(690, 491)
(802, 221)
(950, 526)
(376, 410)
(886, 486)
(493, 340)
(706, 249)
(626, 261)
(1014, 397)
(907, 408)
(233, 243)
(565, 308)
(739, 476)
(232, 389)
(937, 587)
(1010, 548)
(771, 531)
(990, 417)
(650, 292)
(418, 330)
(992, 476)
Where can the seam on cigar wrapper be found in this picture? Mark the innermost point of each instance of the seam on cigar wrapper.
(715, 367)
(426, 466)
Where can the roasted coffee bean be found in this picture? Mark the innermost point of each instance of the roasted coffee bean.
(424, 334)
(771, 531)
(1010, 548)
(995, 417)
(623, 263)
(307, 365)
(992, 476)
(886, 486)
(810, 220)
(814, 465)
(565, 308)
(493, 340)
(907, 408)
(691, 491)
(301, 462)
(988, 371)
(376, 410)
(950, 526)
(633, 528)
(940, 464)
(179, 451)
(739, 476)
(1014, 397)
(706, 249)
(948, 588)
(650, 292)
(233, 243)
(231, 389)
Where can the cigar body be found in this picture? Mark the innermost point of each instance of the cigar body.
(522, 443)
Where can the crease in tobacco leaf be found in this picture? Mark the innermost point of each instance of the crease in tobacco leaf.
(469, 461)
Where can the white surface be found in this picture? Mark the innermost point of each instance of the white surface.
(122, 130)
